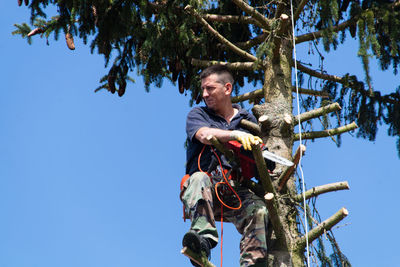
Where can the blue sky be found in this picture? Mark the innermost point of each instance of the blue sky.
(93, 179)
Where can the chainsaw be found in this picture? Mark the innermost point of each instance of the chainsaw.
(247, 163)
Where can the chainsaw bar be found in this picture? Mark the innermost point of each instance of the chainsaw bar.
(275, 158)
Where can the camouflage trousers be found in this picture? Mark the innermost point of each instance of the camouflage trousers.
(198, 196)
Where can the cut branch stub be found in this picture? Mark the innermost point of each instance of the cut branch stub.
(284, 177)
(217, 144)
(273, 214)
(316, 113)
(321, 228)
(318, 190)
(277, 124)
(286, 124)
(247, 96)
(199, 259)
(266, 181)
(326, 133)
(251, 126)
(284, 22)
(266, 123)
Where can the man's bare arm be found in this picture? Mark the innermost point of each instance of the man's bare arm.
(222, 135)
(225, 135)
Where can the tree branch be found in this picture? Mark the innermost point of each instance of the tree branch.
(317, 74)
(345, 82)
(221, 38)
(299, 10)
(253, 13)
(232, 66)
(279, 9)
(231, 19)
(273, 214)
(318, 34)
(247, 96)
(253, 186)
(252, 42)
(326, 133)
(318, 190)
(259, 92)
(217, 144)
(284, 22)
(266, 181)
(251, 126)
(311, 92)
(321, 228)
(285, 175)
(199, 259)
(316, 113)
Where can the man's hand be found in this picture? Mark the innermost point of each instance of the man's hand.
(246, 139)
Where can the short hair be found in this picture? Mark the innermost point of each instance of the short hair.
(224, 75)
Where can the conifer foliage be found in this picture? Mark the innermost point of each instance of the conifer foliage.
(174, 40)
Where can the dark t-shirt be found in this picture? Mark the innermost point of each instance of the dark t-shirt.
(204, 117)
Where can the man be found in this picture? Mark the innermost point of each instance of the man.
(221, 119)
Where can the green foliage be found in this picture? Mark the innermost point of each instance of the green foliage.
(321, 254)
(376, 26)
(159, 39)
(23, 29)
(328, 14)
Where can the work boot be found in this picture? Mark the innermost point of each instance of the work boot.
(197, 244)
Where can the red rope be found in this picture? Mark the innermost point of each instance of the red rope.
(229, 185)
(225, 181)
(222, 230)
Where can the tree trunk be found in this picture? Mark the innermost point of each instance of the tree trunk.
(277, 134)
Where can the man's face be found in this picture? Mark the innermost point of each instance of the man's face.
(215, 93)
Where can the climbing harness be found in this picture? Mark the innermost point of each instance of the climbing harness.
(226, 175)
(248, 170)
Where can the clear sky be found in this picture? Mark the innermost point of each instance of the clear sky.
(92, 180)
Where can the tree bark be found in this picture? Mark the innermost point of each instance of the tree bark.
(318, 190)
(278, 137)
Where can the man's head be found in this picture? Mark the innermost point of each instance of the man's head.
(223, 73)
(216, 84)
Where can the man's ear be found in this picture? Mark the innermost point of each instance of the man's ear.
(228, 88)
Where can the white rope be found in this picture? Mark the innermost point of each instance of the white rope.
(301, 153)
